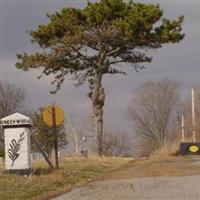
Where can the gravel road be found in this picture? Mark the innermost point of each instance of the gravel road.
(174, 178)
(154, 188)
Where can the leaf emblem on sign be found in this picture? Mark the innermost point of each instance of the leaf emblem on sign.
(13, 151)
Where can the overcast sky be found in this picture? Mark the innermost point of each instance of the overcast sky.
(180, 62)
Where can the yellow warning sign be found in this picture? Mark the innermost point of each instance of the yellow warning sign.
(193, 148)
(48, 117)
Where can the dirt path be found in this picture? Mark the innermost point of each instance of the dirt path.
(171, 166)
(168, 179)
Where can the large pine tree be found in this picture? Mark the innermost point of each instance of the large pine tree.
(88, 43)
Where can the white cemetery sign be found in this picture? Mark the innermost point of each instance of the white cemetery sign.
(17, 142)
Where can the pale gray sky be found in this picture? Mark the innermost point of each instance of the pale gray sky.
(180, 61)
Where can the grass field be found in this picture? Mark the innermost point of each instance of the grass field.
(45, 184)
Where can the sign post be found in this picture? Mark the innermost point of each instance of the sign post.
(53, 116)
(17, 129)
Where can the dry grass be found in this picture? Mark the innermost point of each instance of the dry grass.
(1, 166)
(167, 150)
(158, 166)
(163, 162)
(45, 184)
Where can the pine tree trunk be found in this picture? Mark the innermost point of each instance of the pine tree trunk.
(98, 98)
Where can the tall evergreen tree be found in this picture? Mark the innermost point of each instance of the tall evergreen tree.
(88, 43)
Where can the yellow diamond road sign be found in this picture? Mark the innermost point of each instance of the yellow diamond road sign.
(47, 115)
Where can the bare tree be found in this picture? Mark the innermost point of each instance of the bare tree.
(12, 99)
(76, 132)
(45, 134)
(153, 111)
(115, 143)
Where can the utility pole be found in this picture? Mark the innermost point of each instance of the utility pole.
(182, 128)
(193, 117)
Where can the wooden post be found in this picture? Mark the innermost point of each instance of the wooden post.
(55, 137)
(193, 117)
(182, 129)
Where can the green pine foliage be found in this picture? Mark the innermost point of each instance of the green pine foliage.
(82, 42)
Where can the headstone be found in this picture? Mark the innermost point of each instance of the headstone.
(17, 129)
